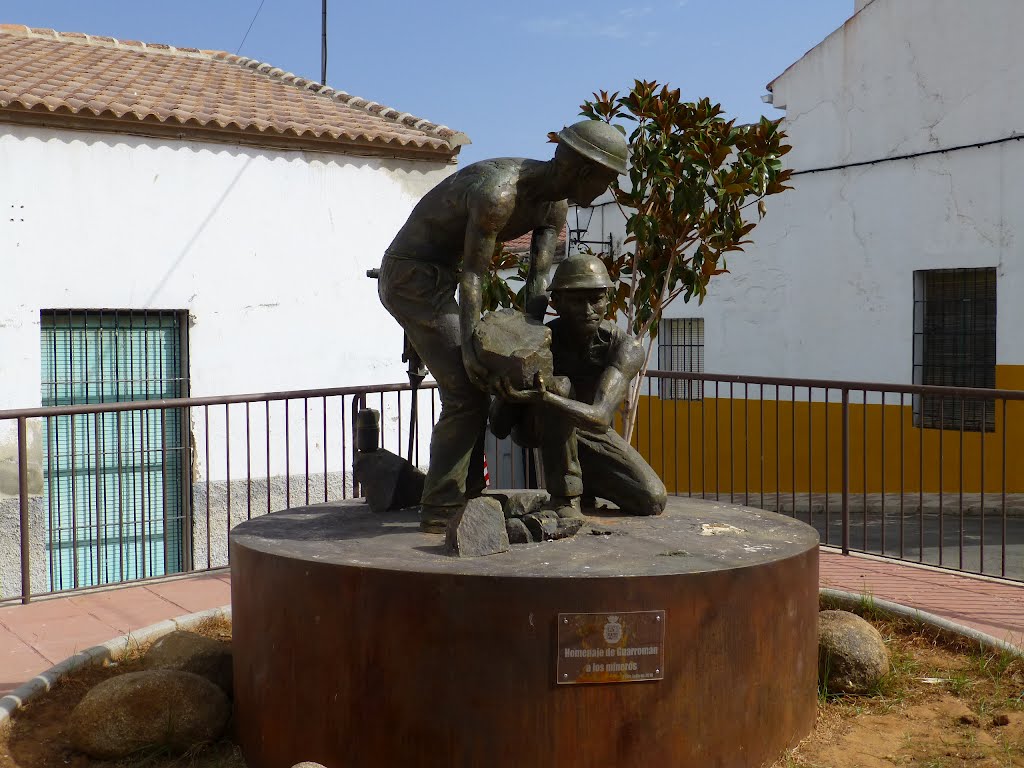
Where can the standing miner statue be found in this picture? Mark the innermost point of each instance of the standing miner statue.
(456, 226)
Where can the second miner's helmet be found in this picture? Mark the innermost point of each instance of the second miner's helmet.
(581, 272)
(598, 141)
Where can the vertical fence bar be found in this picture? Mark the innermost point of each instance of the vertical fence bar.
(882, 481)
(864, 473)
(287, 458)
(828, 466)
(920, 480)
(732, 452)
(305, 440)
(248, 465)
(266, 404)
(209, 520)
(981, 499)
(323, 404)
(74, 506)
(942, 516)
(1006, 428)
(810, 457)
(23, 518)
(99, 509)
(746, 444)
(960, 483)
(344, 453)
(903, 477)
(227, 466)
(760, 401)
(846, 470)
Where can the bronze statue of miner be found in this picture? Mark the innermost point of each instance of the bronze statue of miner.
(570, 419)
(455, 226)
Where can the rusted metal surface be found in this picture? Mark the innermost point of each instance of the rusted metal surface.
(374, 649)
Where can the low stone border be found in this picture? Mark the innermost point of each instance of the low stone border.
(854, 599)
(112, 650)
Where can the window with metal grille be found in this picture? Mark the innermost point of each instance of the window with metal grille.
(955, 345)
(681, 349)
(114, 482)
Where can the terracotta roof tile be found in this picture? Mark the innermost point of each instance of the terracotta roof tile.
(521, 244)
(89, 76)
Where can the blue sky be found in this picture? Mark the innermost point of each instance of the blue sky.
(505, 73)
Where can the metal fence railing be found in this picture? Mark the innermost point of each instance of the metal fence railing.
(892, 470)
(113, 492)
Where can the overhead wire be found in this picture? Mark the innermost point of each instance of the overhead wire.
(246, 35)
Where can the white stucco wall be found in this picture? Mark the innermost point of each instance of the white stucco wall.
(826, 290)
(266, 250)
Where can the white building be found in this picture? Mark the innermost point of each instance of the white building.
(896, 257)
(181, 222)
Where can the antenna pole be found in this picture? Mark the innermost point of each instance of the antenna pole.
(323, 47)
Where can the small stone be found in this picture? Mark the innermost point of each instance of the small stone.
(516, 503)
(389, 481)
(542, 527)
(190, 652)
(568, 526)
(521, 503)
(156, 708)
(852, 657)
(518, 533)
(509, 344)
(307, 764)
(1000, 720)
(478, 529)
(969, 720)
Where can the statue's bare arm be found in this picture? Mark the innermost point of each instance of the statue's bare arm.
(487, 216)
(542, 255)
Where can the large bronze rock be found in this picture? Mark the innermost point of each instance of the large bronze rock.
(157, 708)
(509, 344)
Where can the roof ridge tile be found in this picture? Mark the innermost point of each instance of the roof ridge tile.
(452, 137)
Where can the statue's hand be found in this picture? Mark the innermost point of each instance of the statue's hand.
(510, 394)
(477, 371)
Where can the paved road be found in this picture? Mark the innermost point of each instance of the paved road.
(942, 537)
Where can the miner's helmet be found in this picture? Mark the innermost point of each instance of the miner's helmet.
(582, 272)
(599, 142)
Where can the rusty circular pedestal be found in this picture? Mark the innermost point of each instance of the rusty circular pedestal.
(359, 643)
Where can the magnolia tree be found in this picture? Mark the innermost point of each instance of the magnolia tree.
(696, 189)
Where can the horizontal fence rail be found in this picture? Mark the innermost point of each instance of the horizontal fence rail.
(926, 474)
(128, 491)
(110, 492)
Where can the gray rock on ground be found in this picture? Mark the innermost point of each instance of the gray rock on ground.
(478, 529)
(516, 503)
(389, 481)
(547, 526)
(852, 657)
(191, 652)
(517, 531)
(509, 344)
(155, 708)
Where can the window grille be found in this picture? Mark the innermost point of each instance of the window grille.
(114, 482)
(681, 349)
(955, 345)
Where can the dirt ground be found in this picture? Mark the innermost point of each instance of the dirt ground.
(37, 738)
(945, 704)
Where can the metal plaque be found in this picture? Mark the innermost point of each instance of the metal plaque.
(622, 647)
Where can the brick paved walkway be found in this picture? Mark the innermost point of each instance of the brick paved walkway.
(34, 637)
